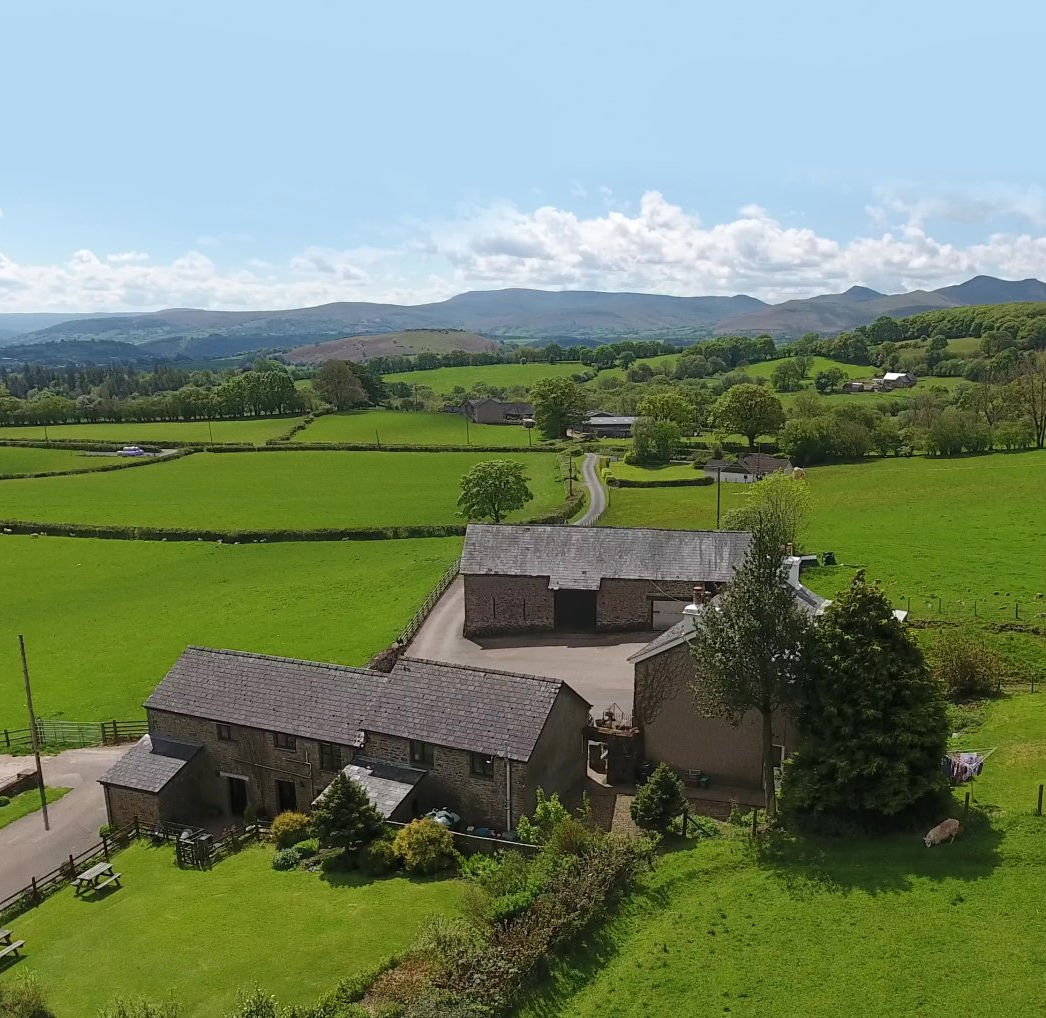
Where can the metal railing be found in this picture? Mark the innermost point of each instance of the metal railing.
(412, 627)
(74, 733)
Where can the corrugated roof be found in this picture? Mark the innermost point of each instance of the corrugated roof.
(304, 698)
(476, 709)
(600, 422)
(387, 785)
(586, 555)
(150, 763)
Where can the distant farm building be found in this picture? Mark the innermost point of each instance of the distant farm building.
(747, 469)
(895, 380)
(545, 578)
(493, 411)
(601, 424)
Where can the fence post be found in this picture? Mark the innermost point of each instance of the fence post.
(755, 821)
(7, 739)
(35, 892)
(116, 733)
(105, 847)
(966, 806)
(72, 866)
(1038, 811)
(136, 834)
(1016, 609)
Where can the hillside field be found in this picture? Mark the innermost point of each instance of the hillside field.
(398, 427)
(391, 344)
(764, 369)
(837, 927)
(444, 380)
(104, 620)
(271, 491)
(960, 529)
(22, 460)
(255, 431)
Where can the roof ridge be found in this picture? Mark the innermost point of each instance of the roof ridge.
(227, 652)
(612, 530)
(483, 669)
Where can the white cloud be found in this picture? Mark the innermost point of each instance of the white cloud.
(659, 247)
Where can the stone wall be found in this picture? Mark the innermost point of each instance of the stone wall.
(675, 734)
(252, 755)
(508, 604)
(628, 604)
(124, 804)
(558, 763)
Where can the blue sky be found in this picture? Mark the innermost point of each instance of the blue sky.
(239, 155)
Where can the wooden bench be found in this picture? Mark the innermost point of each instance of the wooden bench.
(114, 879)
(9, 946)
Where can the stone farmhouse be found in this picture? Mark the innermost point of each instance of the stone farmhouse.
(747, 469)
(494, 411)
(545, 578)
(229, 729)
(895, 380)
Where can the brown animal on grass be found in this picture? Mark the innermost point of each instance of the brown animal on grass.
(947, 830)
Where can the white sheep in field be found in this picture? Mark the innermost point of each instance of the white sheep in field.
(947, 830)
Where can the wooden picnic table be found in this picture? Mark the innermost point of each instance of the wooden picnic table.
(94, 879)
(9, 946)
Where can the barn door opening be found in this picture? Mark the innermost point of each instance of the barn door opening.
(575, 610)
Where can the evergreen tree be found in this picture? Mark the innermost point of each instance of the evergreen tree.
(659, 801)
(344, 816)
(871, 727)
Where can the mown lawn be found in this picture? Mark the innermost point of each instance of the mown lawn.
(197, 938)
(838, 927)
(24, 803)
(445, 380)
(666, 472)
(272, 490)
(104, 620)
(961, 529)
(20, 460)
(394, 427)
(764, 369)
(249, 432)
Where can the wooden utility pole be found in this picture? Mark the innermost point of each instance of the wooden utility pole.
(718, 494)
(35, 736)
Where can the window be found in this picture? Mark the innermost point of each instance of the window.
(225, 733)
(330, 756)
(483, 765)
(422, 754)
(282, 741)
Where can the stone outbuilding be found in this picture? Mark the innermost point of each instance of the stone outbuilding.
(228, 730)
(544, 578)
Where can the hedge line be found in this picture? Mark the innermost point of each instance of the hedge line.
(121, 465)
(374, 447)
(675, 482)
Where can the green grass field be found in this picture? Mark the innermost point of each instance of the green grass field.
(198, 937)
(24, 803)
(272, 490)
(20, 460)
(249, 432)
(846, 927)
(959, 529)
(668, 472)
(445, 380)
(104, 620)
(394, 427)
(967, 346)
(764, 369)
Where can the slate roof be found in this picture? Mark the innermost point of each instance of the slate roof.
(387, 785)
(608, 421)
(150, 763)
(761, 463)
(508, 408)
(671, 637)
(578, 558)
(304, 698)
(477, 709)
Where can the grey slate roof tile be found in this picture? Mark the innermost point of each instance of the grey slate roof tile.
(303, 698)
(478, 709)
(387, 785)
(585, 555)
(150, 763)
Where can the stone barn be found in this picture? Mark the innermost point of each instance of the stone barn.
(575, 579)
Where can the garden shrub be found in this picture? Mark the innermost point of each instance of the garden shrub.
(345, 817)
(570, 837)
(479, 867)
(285, 859)
(965, 666)
(105, 831)
(4, 800)
(290, 827)
(425, 847)
(548, 812)
(703, 827)
(379, 858)
(24, 999)
(307, 848)
(659, 801)
(120, 1008)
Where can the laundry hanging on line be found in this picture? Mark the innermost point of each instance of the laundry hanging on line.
(965, 766)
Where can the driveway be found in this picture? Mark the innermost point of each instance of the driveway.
(596, 665)
(26, 849)
(597, 496)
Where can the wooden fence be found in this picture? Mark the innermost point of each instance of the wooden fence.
(74, 733)
(428, 604)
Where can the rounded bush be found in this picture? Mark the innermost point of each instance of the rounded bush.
(105, 831)
(4, 800)
(425, 847)
(289, 828)
(285, 858)
(307, 848)
(379, 858)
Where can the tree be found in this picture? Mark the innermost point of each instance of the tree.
(493, 488)
(558, 404)
(804, 362)
(669, 406)
(657, 803)
(964, 666)
(750, 410)
(337, 383)
(750, 647)
(870, 723)
(344, 816)
(787, 376)
(829, 379)
(1030, 389)
(778, 504)
(652, 441)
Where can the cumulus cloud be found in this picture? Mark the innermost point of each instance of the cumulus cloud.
(657, 247)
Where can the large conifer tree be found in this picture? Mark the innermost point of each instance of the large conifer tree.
(871, 727)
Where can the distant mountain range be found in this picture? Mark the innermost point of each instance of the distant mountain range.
(513, 315)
